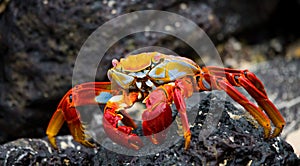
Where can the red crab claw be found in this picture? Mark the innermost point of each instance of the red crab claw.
(92, 93)
(113, 114)
(158, 116)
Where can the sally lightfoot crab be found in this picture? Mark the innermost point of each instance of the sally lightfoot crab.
(158, 81)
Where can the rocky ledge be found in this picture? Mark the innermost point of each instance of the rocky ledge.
(235, 140)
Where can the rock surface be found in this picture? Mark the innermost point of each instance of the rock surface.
(234, 141)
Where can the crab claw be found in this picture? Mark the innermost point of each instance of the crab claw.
(122, 135)
(157, 117)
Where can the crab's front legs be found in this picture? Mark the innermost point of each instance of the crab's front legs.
(114, 112)
(92, 93)
(158, 115)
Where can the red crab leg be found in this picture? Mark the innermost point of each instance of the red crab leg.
(83, 94)
(181, 107)
(255, 88)
(184, 89)
(230, 73)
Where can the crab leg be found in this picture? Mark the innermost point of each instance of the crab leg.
(231, 73)
(54, 126)
(256, 89)
(181, 107)
(84, 94)
(266, 104)
(255, 111)
(225, 79)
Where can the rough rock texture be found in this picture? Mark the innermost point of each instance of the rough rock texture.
(236, 140)
(38, 151)
(39, 41)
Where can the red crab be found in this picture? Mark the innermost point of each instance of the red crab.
(158, 80)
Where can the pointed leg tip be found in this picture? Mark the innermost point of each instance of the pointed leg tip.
(85, 143)
(88, 144)
(135, 147)
(186, 146)
(52, 141)
(276, 132)
(187, 137)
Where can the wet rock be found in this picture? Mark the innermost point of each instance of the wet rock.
(234, 140)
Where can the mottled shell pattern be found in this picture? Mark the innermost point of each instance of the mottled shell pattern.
(149, 70)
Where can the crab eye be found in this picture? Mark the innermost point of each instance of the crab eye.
(114, 62)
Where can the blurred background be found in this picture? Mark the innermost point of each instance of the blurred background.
(39, 42)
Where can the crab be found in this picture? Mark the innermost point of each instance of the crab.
(158, 81)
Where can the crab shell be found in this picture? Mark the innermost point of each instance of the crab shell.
(149, 70)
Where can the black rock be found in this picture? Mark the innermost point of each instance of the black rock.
(39, 151)
(234, 140)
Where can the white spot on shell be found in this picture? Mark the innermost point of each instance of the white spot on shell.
(149, 83)
(139, 85)
(140, 74)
